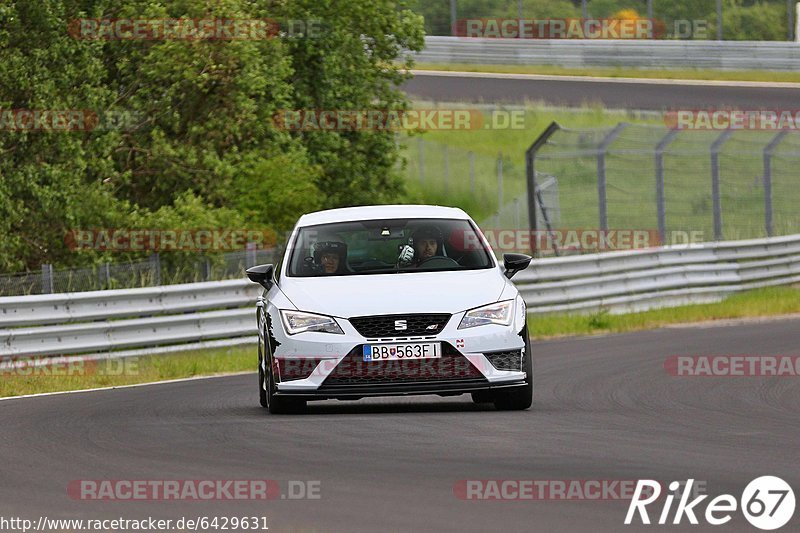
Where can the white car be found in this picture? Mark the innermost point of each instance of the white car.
(391, 300)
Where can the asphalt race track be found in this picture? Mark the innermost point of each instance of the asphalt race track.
(605, 409)
(650, 95)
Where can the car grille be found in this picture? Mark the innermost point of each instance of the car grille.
(508, 360)
(384, 325)
(450, 367)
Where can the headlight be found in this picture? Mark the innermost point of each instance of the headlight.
(297, 322)
(497, 313)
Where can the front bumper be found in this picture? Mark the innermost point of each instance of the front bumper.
(338, 369)
(406, 389)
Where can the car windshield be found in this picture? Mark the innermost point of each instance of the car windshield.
(386, 247)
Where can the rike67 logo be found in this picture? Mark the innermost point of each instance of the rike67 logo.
(767, 503)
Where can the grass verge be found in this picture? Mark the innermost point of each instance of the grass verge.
(759, 303)
(612, 72)
(128, 371)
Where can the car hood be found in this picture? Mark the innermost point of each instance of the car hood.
(387, 294)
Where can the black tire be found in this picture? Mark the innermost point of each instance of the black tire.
(519, 398)
(266, 389)
(262, 392)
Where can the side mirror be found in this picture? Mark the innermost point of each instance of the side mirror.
(262, 274)
(515, 262)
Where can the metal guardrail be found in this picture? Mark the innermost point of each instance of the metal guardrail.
(125, 303)
(163, 318)
(102, 321)
(664, 277)
(574, 53)
(640, 170)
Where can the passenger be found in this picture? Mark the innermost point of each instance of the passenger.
(330, 257)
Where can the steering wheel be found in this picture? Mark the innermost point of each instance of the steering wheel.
(438, 261)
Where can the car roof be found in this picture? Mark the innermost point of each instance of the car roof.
(375, 212)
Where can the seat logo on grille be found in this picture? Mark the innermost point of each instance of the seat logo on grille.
(400, 325)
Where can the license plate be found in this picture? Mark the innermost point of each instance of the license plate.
(395, 352)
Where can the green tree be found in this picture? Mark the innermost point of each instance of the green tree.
(49, 181)
(201, 118)
(265, 197)
(358, 62)
(759, 21)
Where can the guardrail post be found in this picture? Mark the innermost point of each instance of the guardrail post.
(104, 276)
(207, 269)
(499, 182)
(660, 196)
(155, 269)
(251, 258)
(546, 219)
(715, 191)
(797, 24)
(768, 151)
(530, 177)
(602, 150)
(47, 279)
(446, 157)
(471, 172)
(421, 158)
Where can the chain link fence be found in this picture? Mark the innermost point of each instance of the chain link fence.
(678, 186)
(695, 185)
(157, 270)
(491, 188)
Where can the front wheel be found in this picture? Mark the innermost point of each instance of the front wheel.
(262, 385)
(519, 398)
(266, 389)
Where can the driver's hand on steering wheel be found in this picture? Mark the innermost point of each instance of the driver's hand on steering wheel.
(406, 255)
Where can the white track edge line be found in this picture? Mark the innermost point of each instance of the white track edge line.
(131, 386)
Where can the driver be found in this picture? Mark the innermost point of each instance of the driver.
(330, 257)
(425, 243)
